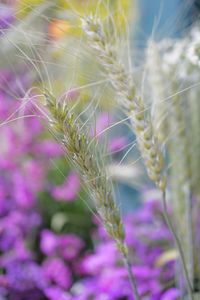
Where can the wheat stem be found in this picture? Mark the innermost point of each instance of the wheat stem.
(131, 277)
(181, 177)
(178, 245)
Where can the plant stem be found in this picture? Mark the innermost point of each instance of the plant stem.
(178, 245)
(190, 234)
(131, 277)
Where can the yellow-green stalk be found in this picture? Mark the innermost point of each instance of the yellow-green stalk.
(194, 146)
(194, 114)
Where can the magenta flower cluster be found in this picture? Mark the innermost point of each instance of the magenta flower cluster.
(28, 269)
(147, 237)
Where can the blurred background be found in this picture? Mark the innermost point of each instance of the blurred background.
(52, 244)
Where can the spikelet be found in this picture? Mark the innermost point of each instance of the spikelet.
(126, 92)
(68, 130)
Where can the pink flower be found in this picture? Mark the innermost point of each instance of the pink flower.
(105, 257)
(70, 246)
(21, 192)
(117, 144)
(48, 242)
(34, 170)
(34, 123)
(49, 148)
(57, 272)
(3, 195)
(102, 122)
(55, 293)
(171, 294)
(69, 189)
(6, 17)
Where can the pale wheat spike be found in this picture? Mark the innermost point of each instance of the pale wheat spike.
(128, 98)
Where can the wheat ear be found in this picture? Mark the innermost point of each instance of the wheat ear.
(128, 99)
(68, 130)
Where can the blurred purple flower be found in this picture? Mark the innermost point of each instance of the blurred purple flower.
(3, 197)
(171, 294)
(104, 267)
(56, 293)
(8, 238)
(6, 17)
(24, 197)
(117, 144)
(48, 242)
(69, 246)
(48, 148)
(145, 272)
(17, 251)
(69, 190)
(33, 169)
(106, 255)
(24, 276)
(103, 121)
(57, 272)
